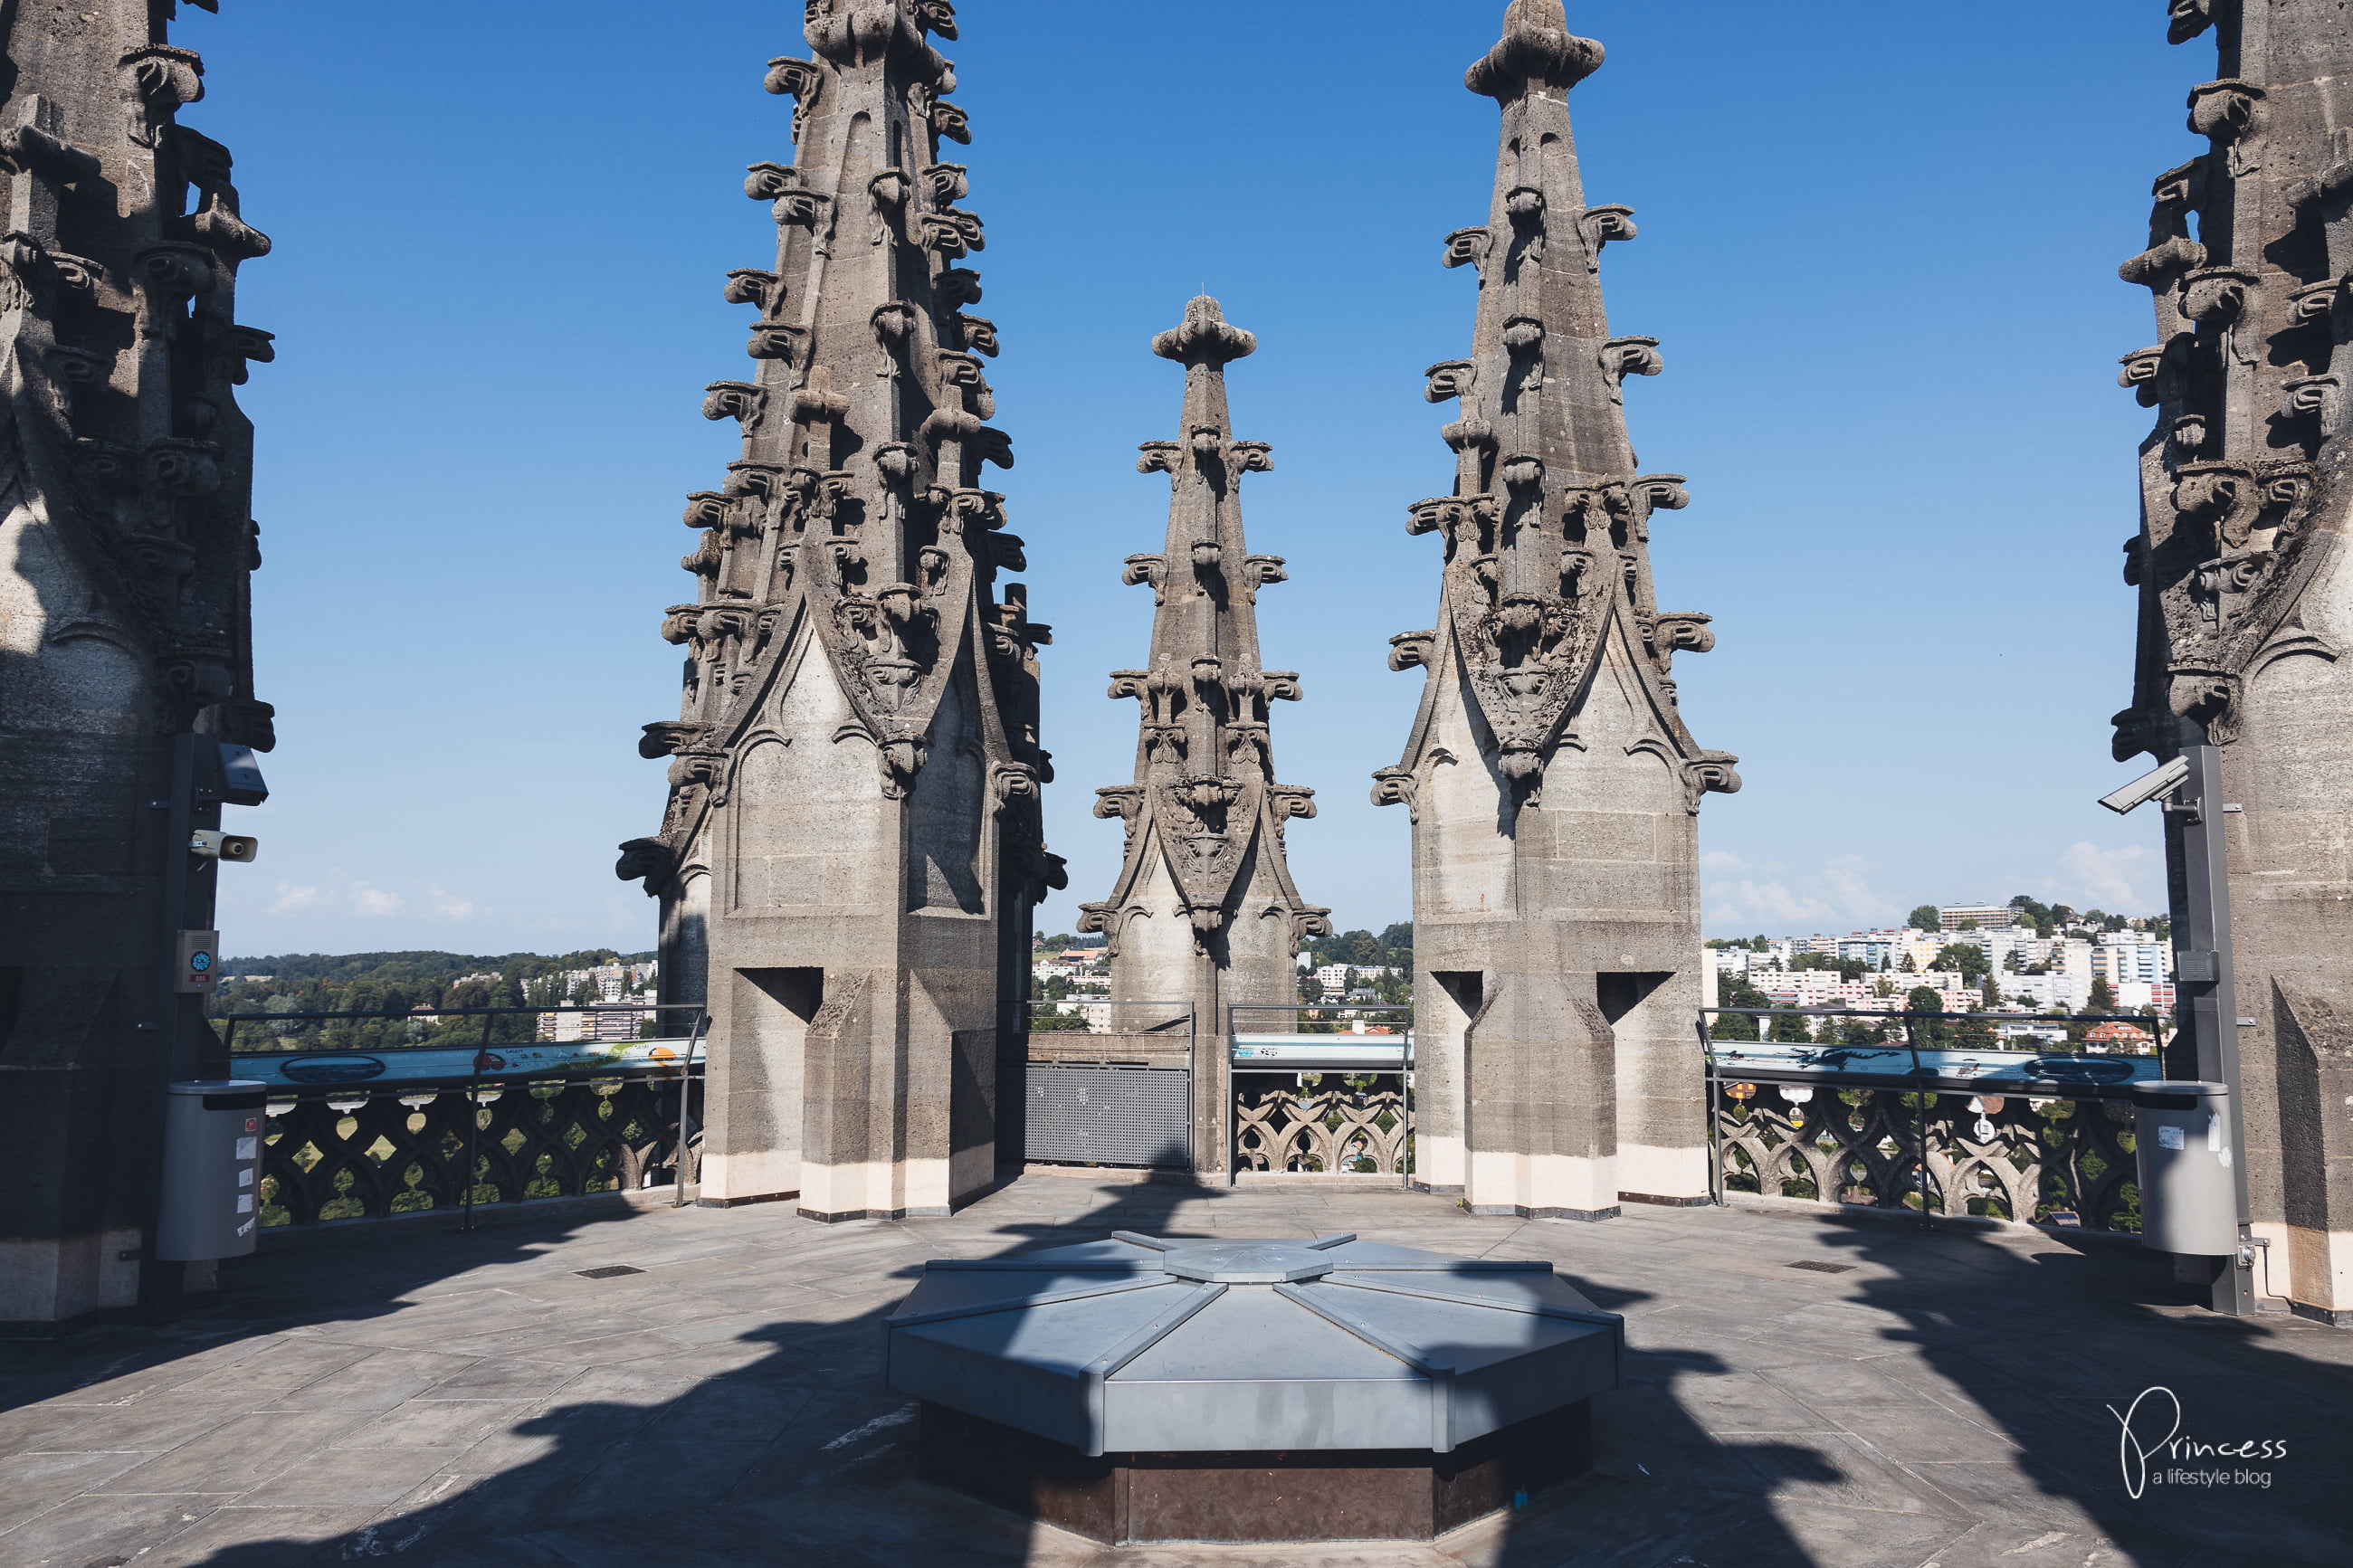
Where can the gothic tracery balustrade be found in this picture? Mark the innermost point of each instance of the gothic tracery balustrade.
(339, 1154)
(2003, 1158)
(1332, 1130)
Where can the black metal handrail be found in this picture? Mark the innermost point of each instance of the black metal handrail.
(686, 1068)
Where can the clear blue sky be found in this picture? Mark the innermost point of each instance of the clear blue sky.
(1878, 244)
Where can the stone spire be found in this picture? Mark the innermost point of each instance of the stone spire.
(1553, 785)
(126, 548)
(1204, 911)
(2246, 601)
(851, 850)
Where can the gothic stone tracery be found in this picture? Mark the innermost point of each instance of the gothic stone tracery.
(852, 846)
(1553, 785)
(2245, 586)
(126, 546)
(1203, 912)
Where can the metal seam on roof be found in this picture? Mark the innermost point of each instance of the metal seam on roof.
(1014, 1303)
(1134, 1345)
(1533, 1308)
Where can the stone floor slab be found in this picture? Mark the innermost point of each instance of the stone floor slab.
(456, 1399)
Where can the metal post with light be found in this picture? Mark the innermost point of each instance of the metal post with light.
(2205, 994)
(208, 772)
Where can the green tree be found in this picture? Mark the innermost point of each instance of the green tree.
(1396, 940)
(1928, 1031)
(2103, 998)
(1790, 1029)
(1731, 991)
(1963, 958)
(1925, 918)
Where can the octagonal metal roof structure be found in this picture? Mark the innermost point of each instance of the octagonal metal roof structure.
(1140, 1344)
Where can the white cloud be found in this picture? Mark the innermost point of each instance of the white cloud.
(1721, 860)
(1843, 880)
(2130, 880)
(1836, 895)
(291, 898)
(1740, 905)
(368, 901)
(450, 907)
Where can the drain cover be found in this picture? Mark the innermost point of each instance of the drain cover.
(1811, 1266)
(610, 1271)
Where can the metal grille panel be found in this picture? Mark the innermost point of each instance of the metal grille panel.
(1113, 1116)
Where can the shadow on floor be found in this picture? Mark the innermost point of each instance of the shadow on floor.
(1963, 1393)
(1942, 1401)
(802, 1457)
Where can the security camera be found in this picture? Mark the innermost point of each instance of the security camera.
(212, 844)
(2149, 786)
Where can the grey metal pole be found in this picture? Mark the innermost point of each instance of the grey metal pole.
(2202, 968)
(474, 1122)
(160, 1283)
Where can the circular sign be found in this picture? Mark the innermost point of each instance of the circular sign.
(200, 961)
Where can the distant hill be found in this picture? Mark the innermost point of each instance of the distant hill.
(342, 968)
(401, 983)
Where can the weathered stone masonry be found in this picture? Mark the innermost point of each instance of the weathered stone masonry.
(2246, 585)
(1203, 912)
(1553, 787)
(126, 542)
(852, 846)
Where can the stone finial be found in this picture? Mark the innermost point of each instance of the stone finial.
(1205, 338)
(1537, 48)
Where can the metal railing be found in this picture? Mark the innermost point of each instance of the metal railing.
(1941, 1121)
(1331, 1120)
(371, 1132)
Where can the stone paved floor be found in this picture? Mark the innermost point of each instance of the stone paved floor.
(470, 1400)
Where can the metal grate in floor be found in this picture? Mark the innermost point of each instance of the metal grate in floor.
(610, 1271)
(1812, 1266)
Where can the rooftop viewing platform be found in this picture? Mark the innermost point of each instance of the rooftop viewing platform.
(588, 1383)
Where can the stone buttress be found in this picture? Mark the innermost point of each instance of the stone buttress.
(852, 848)
(2246, 586)
(1554, 788)
(126, 546)
(1204, 912)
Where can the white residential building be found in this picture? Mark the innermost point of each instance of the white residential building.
(2052, 993)
(2142, 963)
(1874, 948)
